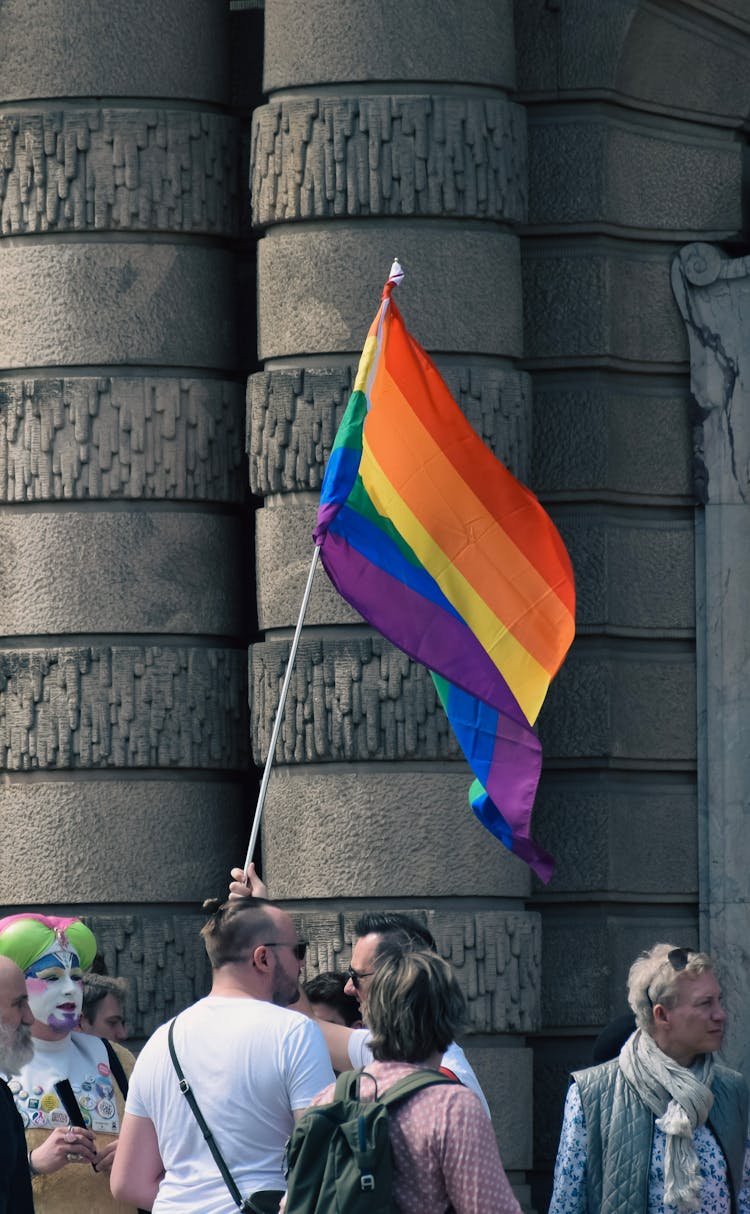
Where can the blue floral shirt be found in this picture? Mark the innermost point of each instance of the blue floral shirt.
(569, 1193)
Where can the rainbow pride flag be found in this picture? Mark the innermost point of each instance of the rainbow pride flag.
(439, 547)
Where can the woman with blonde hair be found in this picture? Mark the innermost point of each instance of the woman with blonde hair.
(445, 1155)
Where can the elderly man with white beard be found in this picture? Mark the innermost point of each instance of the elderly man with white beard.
(16, 1050)
(662, 1128)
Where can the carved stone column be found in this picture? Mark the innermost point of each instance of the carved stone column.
(356, 159)
(713, 293)
(122, 669)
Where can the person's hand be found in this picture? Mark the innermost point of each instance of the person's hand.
(106, 1157)
(67, 1144)
(252, 887)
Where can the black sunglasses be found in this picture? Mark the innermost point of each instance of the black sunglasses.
(298, 949)
(357, 978)
(678, 958)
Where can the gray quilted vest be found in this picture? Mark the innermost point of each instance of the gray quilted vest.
(619, 1134)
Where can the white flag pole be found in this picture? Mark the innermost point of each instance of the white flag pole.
(279, 715)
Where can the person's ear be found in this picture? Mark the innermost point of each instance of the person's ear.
(260, 958)
(660, 1013)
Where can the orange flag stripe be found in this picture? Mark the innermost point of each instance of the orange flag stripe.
(524, 520)
(434, 492)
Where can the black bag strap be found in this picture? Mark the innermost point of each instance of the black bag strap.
(116, 1068)
(118, 1073)
(244, 1203)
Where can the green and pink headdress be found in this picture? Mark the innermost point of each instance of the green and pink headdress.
(27, 937)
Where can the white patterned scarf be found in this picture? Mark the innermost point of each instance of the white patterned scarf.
(680, 1098)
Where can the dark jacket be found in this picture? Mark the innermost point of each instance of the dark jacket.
(15, 1178)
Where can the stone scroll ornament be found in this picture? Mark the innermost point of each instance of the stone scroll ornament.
(713, 294)
(430, 538)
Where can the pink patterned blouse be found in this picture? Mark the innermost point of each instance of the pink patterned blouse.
(444, 1151)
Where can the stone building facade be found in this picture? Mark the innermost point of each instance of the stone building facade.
(563, 182)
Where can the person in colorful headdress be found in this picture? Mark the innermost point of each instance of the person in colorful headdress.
(69, 1164)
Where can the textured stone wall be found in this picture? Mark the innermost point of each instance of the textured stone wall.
(633, 112)
(124, 612)
(711, 292)
(395, 133)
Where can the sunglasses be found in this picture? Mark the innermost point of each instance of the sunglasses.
(678, 958)
(357, 977)
(299, 949)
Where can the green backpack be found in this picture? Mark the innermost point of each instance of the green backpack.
(338, 1159)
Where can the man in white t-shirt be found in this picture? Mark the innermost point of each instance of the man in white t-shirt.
(376, 933)
(253, 1066)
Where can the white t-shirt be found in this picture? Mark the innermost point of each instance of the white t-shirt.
(454, 1059)
(249, 1064)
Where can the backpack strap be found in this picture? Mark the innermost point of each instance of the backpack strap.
(243, 1203)
(347, 1085)
(414, 1083)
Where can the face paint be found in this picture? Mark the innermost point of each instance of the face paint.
(55, 986)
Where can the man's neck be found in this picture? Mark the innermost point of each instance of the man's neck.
(231, 985)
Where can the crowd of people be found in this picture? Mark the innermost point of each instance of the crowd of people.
(200, 1122)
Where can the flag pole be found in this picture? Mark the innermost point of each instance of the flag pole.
(279, 715)
(396, 277)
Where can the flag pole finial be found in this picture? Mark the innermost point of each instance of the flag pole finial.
(397, 273)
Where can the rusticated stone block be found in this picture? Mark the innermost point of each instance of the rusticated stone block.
(389, 155)
(82, 845)
(124, 706)
(323, 41)
(597, 301)
(592, 989)
(293, 416)
(620, 703)
(120, 437)
(283, 551)
(505, 1071)
(496, 956)
(329, 834)
(176, 572)
(595, 827)
(583, 44)
(102, 303)
(592, 168)
(658, 56)
(355, 697)
(161, 956)
(349, 699)
(130, 49)
(78, 170)
(599, 431)
(462, 292)
(633, 574)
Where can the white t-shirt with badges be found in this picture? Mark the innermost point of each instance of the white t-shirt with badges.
(83, 1061)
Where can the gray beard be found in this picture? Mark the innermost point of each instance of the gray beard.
(16, 1048)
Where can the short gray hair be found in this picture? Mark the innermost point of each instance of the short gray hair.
(653, 978)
